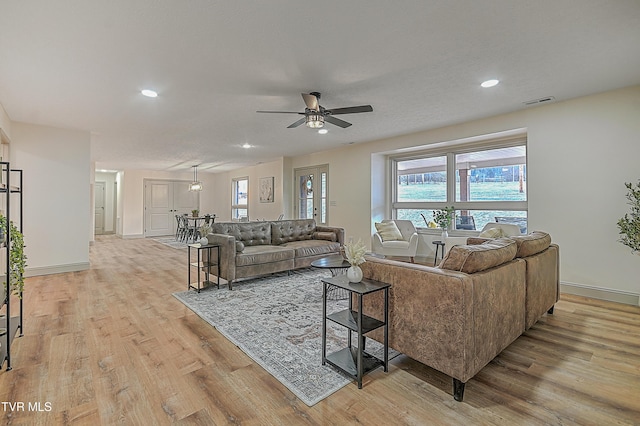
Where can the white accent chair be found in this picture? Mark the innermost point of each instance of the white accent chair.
(508, 230)
(408, 246)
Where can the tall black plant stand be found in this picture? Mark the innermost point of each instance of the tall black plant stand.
(11, 324)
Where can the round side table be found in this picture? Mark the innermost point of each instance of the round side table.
(337, 265)
(439, 244)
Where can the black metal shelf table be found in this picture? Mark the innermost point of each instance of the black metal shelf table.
(355, 362)
(203, 263)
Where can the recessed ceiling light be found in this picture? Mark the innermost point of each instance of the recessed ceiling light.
(489, 83)
(246, 146)
(323, 131)
(149, 93)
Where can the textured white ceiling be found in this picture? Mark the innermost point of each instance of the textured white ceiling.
(419, 63)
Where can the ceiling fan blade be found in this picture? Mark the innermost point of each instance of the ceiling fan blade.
(336, 121)
(282, 112)
(351, 110)
(311, 101)
(297, 123)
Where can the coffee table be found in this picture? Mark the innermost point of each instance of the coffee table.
(338, 265)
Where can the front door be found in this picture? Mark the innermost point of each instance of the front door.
(312, 193)
(163, 200)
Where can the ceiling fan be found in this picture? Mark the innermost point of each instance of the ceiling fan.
(315, 114)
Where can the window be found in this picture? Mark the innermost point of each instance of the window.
(240, 197)
(486, 184)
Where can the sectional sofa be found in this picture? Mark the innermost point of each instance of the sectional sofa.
(458, 316)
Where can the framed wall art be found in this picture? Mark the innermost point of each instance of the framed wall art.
(266, 190)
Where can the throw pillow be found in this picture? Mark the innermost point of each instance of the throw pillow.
(471, 259)
(492, 233)
(388, 231)
(535, 242)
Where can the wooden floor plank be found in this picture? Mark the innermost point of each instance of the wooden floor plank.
(111, 345)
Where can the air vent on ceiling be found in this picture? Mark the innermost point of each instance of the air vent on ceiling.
(540, 100)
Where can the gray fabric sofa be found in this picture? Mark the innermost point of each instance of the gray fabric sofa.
(250, 249)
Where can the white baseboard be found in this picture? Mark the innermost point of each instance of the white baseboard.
(131, 236)
(600, 293)
(57, 269)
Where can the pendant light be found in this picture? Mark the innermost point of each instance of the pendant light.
(196, 185)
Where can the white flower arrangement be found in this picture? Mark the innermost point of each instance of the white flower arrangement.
(355, 252)
(205, 229)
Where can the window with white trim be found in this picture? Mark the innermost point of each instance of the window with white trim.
(485, 183)
(240, 197)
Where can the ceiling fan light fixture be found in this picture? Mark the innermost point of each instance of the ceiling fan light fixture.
(314, 121)
(196, 185)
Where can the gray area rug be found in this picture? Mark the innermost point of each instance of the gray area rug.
(277, 322)
(171, 242)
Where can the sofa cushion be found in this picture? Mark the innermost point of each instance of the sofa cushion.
(535, 242)
(388, 231)
(327, 236)
(285, 231)
(312, 247)
(254, 255)
(492, 233)
(476, 258)
(249, 233)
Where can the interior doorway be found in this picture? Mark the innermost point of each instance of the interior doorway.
(163, 200)
(312, 193)
(100, 202)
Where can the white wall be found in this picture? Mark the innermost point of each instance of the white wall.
(5, 122)
(257, 210)
(56, 164)
(580, 153)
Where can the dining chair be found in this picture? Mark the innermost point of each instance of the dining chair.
(181, 229)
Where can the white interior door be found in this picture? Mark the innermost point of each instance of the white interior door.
(312, 193)
(164, 200)
(99, 190)
(158, 207)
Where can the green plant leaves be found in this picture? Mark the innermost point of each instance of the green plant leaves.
(629, 225)
(17, 258)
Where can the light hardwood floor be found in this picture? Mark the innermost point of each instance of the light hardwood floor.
(111, 345)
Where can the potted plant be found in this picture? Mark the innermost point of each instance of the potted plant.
(443, 218)
(355, 256)
(17, 258)
(195, 212)
(205, 230)
(629, 225)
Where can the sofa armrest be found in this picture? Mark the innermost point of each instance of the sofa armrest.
(339, 232)
(376, 245)
(227, 254)
(413, 241)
